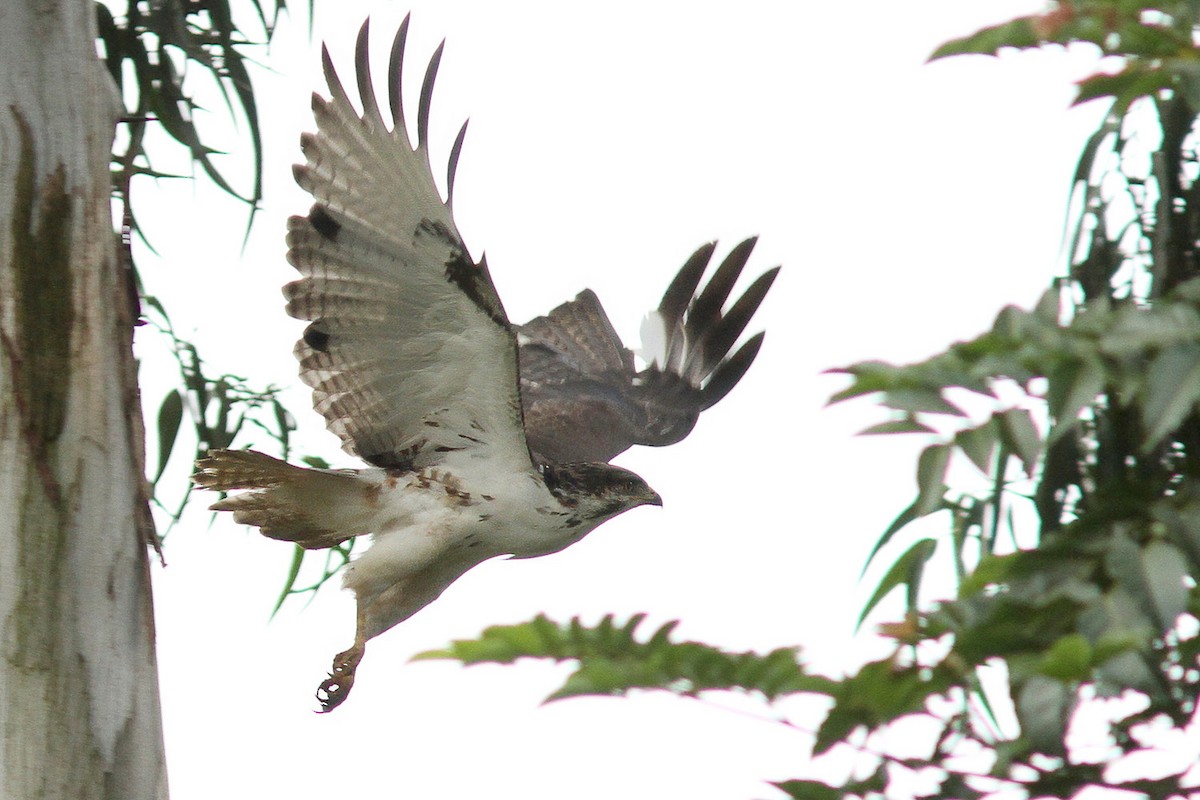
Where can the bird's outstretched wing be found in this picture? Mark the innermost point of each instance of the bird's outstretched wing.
(583, 398)
(409, 353)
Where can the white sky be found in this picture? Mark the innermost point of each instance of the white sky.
(907, 203)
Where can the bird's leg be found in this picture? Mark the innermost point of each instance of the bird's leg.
(336, 688)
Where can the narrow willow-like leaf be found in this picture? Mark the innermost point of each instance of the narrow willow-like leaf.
(907, 567)
(289, 583)
(170, 415)
(902, 519)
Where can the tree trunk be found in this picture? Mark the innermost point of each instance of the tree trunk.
(79, 708)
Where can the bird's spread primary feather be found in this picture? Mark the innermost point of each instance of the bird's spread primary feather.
(485, 438)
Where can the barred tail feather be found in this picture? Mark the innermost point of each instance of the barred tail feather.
(294, 504)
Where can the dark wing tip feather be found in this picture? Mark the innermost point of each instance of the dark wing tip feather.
(452, 165)
(362, 70)
(730, 372)
(719, 340)
(327, 66)
(395, 71)
(427, 96)
(679, 293)
(675, 303)
(337, 92)
(706, 310)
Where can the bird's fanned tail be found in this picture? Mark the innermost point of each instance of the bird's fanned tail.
(284, 501)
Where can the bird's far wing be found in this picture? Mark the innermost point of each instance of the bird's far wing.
(583, 399)
(576, 338)
(575, 375)
(409, 353)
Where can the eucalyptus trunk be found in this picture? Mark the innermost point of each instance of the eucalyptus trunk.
(79, 705)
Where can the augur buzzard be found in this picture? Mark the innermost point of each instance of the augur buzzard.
(485, 438)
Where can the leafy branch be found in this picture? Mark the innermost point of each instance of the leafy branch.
(220, 408)
(152, 50)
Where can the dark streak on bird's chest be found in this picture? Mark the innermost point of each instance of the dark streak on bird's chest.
(452, 486)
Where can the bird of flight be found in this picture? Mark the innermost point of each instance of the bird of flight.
(485, 438)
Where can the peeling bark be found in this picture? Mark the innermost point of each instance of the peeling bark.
(79, 708)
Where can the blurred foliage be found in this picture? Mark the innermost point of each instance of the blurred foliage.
(162, 55)
(1152, 44)
(149, 48)
(219, 408)
(613, 661)
(1063, 473)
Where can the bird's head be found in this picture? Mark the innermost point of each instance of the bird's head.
(598, 491)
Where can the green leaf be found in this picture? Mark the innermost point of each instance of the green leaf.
(289, 582)
(1183, 527)
(1042, 708)
(1132, 604)
(992, 570)
(1165, 569)
(1126, 670)
(808, 790)
(979, 444)
(170, 414)
(907, 570)
(1136, 330)
(1021, 436)
(877, 694)
(1068, 659)
(1188, 291)
(1071, 390)
(902, 519)
(920, 399)
(931, 478)
(1049, 306)
(1129, 84)
(1112, 644)
(1017, 33)
(1171, 391)
(869, 377)
(906, 425)
(316, 462)
(1153, 41)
